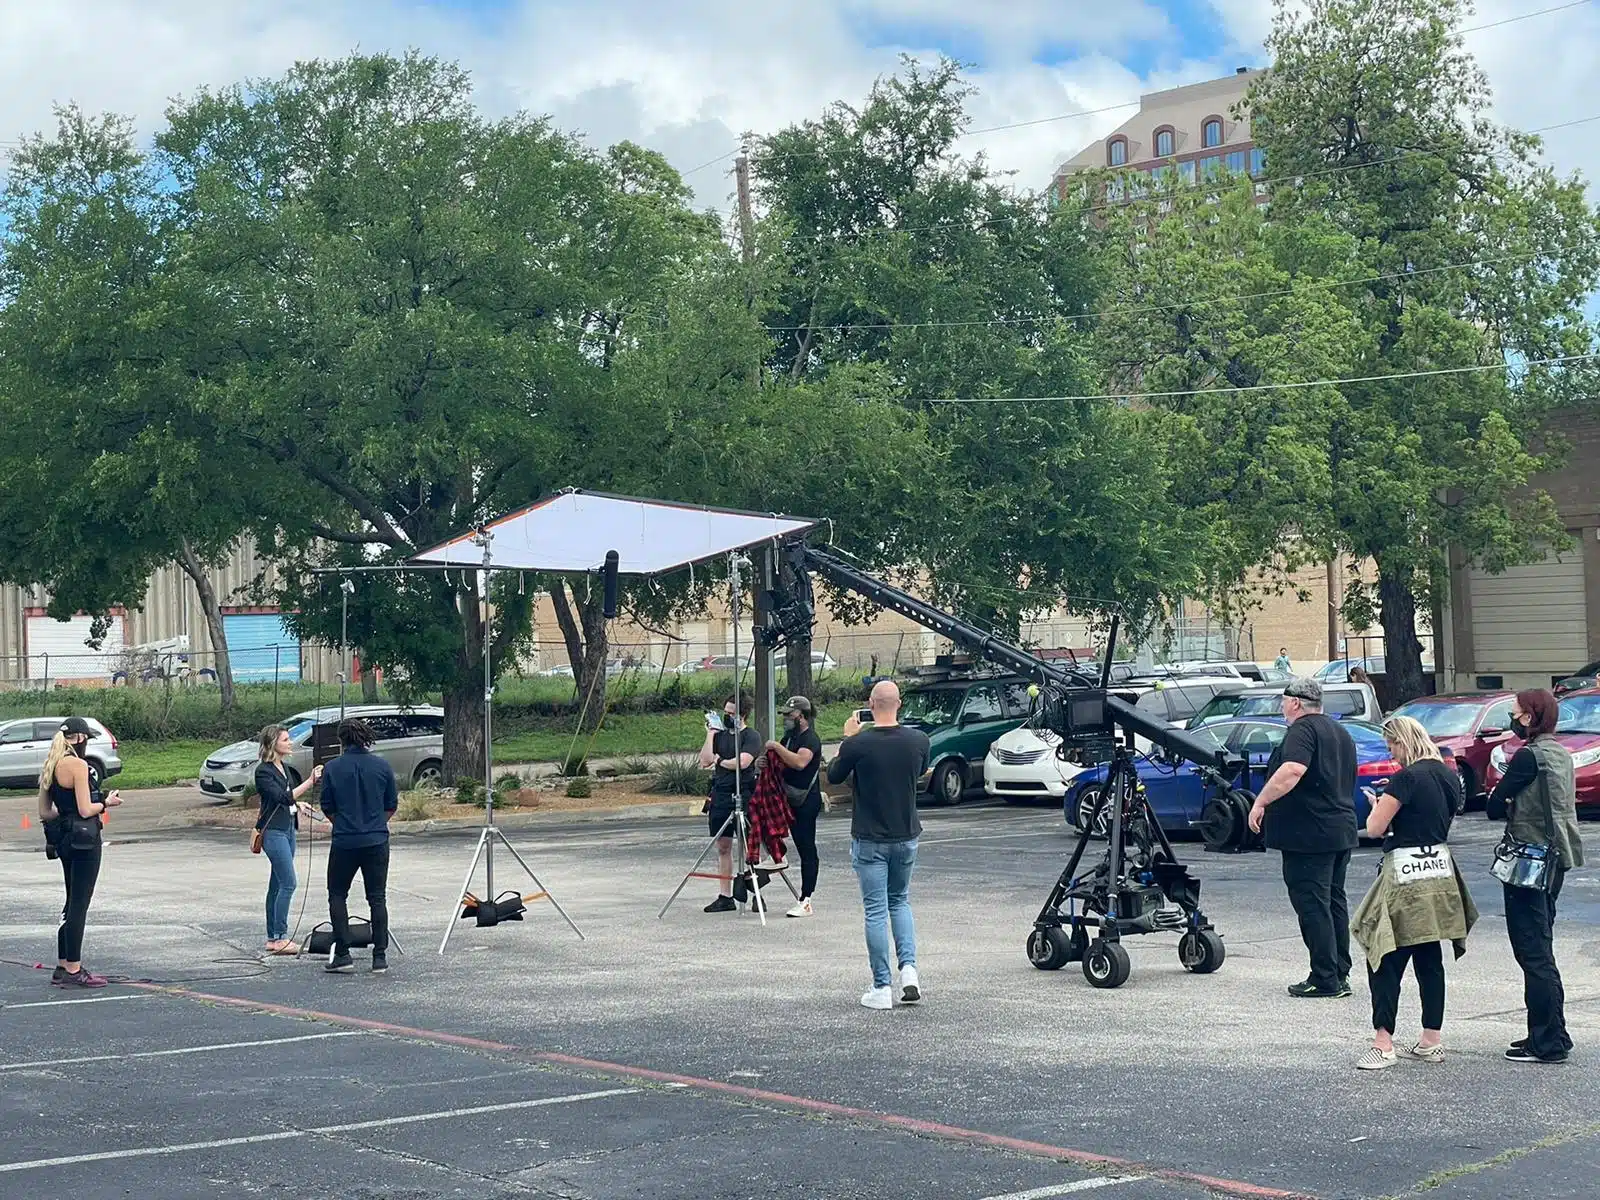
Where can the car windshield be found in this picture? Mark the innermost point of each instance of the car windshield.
(1260, 706)
(1579, 714)
(1219, 708)
(1442, 720)
(931, 706)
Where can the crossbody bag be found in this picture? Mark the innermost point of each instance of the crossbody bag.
(1527, 864)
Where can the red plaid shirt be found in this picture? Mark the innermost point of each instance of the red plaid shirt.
(769, 811)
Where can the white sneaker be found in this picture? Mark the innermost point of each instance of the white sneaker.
(910, 988)
(1376, 1060)
(878, 997)
(803, 909)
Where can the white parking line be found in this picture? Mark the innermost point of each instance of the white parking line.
(1067, 1189)
(290, 1134)
(90, 1000)
(93, 1058)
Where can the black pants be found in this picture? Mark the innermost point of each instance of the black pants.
(803, 825)
(373, 863)
(1530, 922)
(1427, 960)
(1316, 889)
(80, 869)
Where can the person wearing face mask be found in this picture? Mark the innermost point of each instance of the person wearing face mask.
(730, 752)
(1538, 791)
(801, 754)
(73, 812)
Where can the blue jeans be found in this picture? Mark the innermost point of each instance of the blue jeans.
(278, 846)
(884, 872)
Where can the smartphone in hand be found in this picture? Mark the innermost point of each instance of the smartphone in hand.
(864, 715)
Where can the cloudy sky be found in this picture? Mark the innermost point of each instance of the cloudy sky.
(686, 77)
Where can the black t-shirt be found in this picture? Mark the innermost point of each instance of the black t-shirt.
(887, 762)
(1318, 816)
(806, 776)
(721, 777)
(1427, 791)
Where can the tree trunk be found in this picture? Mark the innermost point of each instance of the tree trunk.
(583, 630)
(196, 571)
(463, 725)
(1402, 652)
(797, 654)
(369, 685)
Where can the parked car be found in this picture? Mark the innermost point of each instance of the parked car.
(1468, 724)
(1584, 677)
(1339, 700)
(411, 739)
(1339, 669)
(1235, 670)
(962, 717)
(1177, 793)
(1578, 729)
(1176, 700)
(25, 744)
(1023, 764)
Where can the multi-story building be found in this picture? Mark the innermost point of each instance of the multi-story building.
(1189, 131)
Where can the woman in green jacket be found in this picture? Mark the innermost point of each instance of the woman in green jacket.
(1419, 900)
(1539, 789)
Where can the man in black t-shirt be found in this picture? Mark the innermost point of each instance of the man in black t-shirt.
(801, 753)
(1310, 791)
(730, 751)
(887, 760)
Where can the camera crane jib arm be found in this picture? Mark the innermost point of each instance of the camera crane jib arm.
(1175, 742)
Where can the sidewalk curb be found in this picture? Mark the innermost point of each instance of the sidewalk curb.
(515, 820)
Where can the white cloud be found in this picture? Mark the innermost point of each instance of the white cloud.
(687, 78)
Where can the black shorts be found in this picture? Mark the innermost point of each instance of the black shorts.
(716, 816)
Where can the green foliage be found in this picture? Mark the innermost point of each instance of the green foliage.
(681, 777)
(415, 806)
(471, 791)
(579, 788)
(635, 766)
(575, 763)
(509, 782)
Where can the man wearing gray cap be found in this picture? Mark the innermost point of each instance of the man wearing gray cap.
(1310, 790)
(801, 754)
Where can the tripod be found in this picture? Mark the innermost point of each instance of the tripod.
(491, 910)
(738, 821)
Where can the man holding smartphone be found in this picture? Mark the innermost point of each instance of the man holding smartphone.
(730, 751)
(886, 759)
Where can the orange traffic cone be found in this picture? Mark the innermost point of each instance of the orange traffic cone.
(26, 824)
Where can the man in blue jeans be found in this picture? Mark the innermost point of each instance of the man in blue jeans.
(887, 759)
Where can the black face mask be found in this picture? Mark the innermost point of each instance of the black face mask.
(1519, 728)
(78, 748)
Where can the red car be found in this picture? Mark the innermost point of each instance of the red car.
(1469, 725)
(1578, 729)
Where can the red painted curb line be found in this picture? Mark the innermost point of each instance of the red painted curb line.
(955, 1133)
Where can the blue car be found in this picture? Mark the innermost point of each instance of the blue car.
(1177, 793)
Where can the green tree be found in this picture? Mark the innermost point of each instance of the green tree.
(112, 469)
(1374, 121)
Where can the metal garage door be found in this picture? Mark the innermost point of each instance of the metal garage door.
(260, 648)
(1531, 620)
(60, 649)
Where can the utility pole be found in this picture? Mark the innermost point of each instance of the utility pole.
(1333, 608)
(747, 240)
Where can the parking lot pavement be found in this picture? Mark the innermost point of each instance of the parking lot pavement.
(706, 1056)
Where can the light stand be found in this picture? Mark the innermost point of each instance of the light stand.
(489, 906)
(739, 819)
(346, 587)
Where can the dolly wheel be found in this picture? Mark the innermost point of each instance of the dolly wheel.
(1106, 964)
(1049, 949)
(1201, 951)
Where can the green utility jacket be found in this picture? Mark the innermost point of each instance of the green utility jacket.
(1394, 915)
(1549, 804)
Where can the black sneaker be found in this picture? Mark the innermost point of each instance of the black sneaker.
(342, 964)
(721, 904)
(1307, 990)
(380, 964)
(1521, 1054)
(1519, 1044)
(58, 976)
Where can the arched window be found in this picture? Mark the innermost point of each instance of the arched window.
(1211, 132)
(1117, 152)
(1163, 143)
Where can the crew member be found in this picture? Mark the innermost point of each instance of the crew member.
(1282, 661)
(730, 751)
(359, 795)
(887, 760)
(801, 752)
(73, 812)
(1310, 789)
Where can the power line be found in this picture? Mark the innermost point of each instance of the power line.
(1261, 387)
(1141, 308)
(1524, 16)
(713, 162)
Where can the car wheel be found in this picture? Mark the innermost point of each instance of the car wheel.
(428, 775)
(1469, 789)
(949, 782)
(1092, 813)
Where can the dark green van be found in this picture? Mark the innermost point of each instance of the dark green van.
(961, 717)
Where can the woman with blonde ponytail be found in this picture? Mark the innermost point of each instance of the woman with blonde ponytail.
(73, 812)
